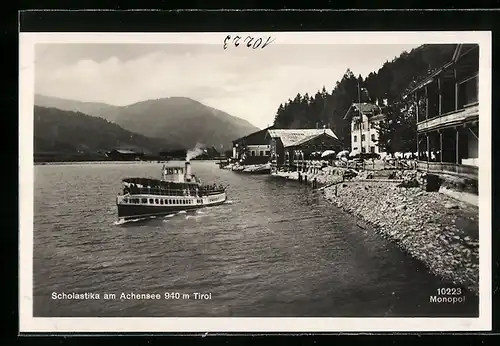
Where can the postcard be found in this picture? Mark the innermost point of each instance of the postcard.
(255, 182)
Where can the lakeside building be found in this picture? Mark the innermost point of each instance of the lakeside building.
(124, 155)
(364, 118)
(284, 147)
(289, 147)
(447, 110)
(253, 148)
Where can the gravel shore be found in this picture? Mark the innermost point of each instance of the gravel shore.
(432, 227)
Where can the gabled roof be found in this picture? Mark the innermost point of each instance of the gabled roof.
(460, 50)
(463, 49)
(256, 133)
(290, 137)
(366, 108)
(308, 138)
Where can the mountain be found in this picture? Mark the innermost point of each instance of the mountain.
(91, 108)
(180, 120)
(69, 132)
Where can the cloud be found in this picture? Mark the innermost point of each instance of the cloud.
(245, 83)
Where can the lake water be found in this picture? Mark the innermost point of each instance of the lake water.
(275, 249)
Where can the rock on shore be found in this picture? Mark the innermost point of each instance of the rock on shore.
(432, 227)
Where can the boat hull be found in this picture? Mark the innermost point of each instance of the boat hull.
(127, 211)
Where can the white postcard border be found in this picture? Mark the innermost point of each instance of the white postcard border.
(28, 323)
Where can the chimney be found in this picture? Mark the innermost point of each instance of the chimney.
(187, 173)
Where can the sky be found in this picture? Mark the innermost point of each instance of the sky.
(249, 84)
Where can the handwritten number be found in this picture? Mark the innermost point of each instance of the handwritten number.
(257, 43)
(249, 44)
(267, 42)
(228, 37)
(248, 40)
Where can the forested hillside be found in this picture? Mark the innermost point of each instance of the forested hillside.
(389, 82)
(61, 131)
(181, 121)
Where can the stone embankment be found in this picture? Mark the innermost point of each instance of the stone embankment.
(430, 226)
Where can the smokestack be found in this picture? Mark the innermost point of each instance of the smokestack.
(187, 173)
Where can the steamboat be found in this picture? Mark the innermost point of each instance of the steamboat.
(177, 190)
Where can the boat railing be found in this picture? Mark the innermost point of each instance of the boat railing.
(158, 191)
(212, 190)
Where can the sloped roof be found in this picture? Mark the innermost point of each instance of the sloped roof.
(365, 108)
(254, 135)
(460, 50)
(463, 49)
(290, 137)
(308, 138)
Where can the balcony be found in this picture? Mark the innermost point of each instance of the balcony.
(469, 112)
(464, 171)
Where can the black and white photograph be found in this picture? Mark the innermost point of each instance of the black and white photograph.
(226, 181)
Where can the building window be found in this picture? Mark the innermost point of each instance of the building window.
(253, 152)
(468, 92)
(355, 139)
(362, 138)
(355, 148)
(373, 137)
(261, 153)
(372, 125)
(363, 149)
(268, 153)
(372, 150)
(356, 126)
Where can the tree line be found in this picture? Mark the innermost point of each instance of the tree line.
(327, 108)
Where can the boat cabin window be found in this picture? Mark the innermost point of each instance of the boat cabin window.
(144, 200)
(161, 201)
(151, 200)
(156, 200)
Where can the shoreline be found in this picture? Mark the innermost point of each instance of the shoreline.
(48, 163)
(432, 227)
